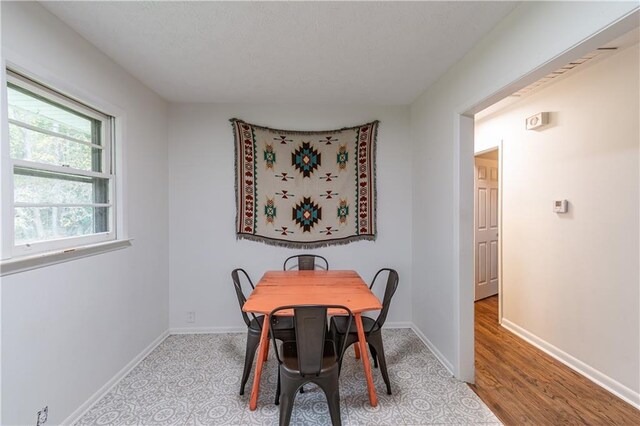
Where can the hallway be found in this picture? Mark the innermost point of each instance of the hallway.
(523, 385)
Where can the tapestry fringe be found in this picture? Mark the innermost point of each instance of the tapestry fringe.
(305, 245)
(375, 177)
(235, 166)
(303, 132)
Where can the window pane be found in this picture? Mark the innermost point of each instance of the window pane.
(47, 130)
(48, 223)
(26, 144)
(34, 186)
(29, 108)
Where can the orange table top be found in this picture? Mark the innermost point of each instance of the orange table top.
(280, 288)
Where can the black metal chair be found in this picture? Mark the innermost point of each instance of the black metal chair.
(310, 358)
(372, 328)
(306, 262)
(282, 327)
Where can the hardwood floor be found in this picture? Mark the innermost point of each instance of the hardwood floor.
(523, 385)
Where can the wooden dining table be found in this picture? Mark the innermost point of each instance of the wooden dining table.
(317, 287)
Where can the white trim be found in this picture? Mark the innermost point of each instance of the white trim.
(443, 360)
(40, 260)
(46, 205)
(243, 329)
(6, 183)
(500, 245)
(34, 249)
(34, 85)
(80, 411)
(119, 221)
(207, 330)
(398, 324)
(5, 235)
(54, 134)
(64, 170)
(575, 364)
(463, 258)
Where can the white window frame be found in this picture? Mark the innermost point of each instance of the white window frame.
(68, 244)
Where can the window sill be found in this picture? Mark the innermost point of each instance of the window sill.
(26, 263)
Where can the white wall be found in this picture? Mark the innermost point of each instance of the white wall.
(572, 280)
(531, 35)
(67, 329)
(203, 248)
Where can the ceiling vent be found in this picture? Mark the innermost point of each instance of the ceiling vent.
(565, 70)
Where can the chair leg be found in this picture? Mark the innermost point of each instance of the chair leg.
(331, 390)
(252, 345)
(376, 341)
(342, 358)
(333, 401)
(338, 340)
(287, 398)
(373, 355)
(277, 401)
(350, 341)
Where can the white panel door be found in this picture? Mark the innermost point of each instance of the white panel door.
(486, 228)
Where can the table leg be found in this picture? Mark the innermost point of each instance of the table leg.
(356, 351)
(262, 357)
(373, 399)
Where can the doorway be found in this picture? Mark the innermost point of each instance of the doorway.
(503, 354)
(463, 194)
(486, 224)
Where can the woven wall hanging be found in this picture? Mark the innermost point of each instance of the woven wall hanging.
(305, 189)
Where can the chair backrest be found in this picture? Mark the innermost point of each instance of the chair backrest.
(389, 291)
(311, 325)
(310, 322)
(306, 262)
(237, 284)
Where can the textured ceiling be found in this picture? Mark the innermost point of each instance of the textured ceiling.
(297, 52)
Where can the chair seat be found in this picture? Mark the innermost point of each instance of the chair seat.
(339, 324)
(282, 323)
(290, 356)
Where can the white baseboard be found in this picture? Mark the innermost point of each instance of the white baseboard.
(80, 411)
(207, 330)
(589, 372)
(243, 329)
(398, 324)
(433, 349)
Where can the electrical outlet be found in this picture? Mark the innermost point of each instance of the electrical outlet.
(191, 317)
(42, 416)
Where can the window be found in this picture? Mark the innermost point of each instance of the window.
(61, 171)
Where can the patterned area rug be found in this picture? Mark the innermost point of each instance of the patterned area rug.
(193, 379)
(305, 189)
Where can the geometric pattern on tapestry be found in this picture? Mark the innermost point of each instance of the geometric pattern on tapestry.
(305, 189)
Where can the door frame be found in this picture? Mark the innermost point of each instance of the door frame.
(476, 154)
(463, 154)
